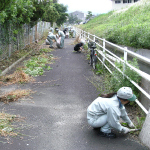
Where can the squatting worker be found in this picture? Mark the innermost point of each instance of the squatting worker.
(62, 35)
(51, 38)
(78, 47)
(105, 112)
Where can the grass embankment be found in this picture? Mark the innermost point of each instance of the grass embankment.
(129, 26)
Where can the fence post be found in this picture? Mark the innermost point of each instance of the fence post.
(28, 35)
(9, 40)
(94, 38)
(88, 37)
(81, 34)
(36, 39)
(125, 60)
(145, 132)
(84, 35)
(103, 51)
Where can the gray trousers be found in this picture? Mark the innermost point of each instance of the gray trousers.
(50, 39)
(99, 121)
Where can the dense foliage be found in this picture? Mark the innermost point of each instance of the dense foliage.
(20, 12)
(61, 9)
(129, 26)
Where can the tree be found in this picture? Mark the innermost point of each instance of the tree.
(61, 9)
(89, 16)
(40, 8)
(73, 19)
(5, 3)
(51, 15)
(19, 12)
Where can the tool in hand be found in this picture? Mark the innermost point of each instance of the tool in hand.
(134, 130)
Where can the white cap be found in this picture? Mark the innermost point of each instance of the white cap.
(126, 93)
(83, 41)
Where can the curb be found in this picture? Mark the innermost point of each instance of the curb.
(14, 64)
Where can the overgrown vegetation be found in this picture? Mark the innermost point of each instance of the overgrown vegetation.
(20, 12)
(129, 26)
(37, 64)
(117, 80)
(17, 17)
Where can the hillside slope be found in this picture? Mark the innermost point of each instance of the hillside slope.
(129, 26)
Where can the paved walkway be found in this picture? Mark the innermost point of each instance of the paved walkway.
(56, 116)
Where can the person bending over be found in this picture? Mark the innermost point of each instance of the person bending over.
(105, 111)
(78, 47)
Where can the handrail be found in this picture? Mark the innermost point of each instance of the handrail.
(111, 56)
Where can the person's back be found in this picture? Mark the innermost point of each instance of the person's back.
(100, 105)
(78, 46)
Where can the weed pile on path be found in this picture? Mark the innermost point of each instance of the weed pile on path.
(15, 95)
(19, 76)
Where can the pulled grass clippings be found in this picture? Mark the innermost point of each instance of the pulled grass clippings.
(19, 76)
(6, 128)
(15, 95)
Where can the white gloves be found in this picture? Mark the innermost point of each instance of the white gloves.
(125, 130)
(131, 125)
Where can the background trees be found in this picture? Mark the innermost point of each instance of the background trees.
(30, 11)
(73, 19)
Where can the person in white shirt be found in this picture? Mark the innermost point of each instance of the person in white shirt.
(62, 36)
(51, 38)
(105, 112)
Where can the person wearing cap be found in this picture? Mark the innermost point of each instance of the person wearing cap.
(105, 111)
(62, 36)
(73, 31)
(51, 37)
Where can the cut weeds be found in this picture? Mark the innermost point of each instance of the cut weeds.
(19, 76)
(14, 95)
(7, 127)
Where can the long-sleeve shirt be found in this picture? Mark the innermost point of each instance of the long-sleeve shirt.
(109, 106)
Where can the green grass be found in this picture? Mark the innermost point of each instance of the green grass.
(128, 27)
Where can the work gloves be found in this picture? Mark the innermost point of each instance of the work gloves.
(131, 125)
(125, 130)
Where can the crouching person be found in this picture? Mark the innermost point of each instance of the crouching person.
(105, 112)
(51, 38)
(61, 37)
(78, 47)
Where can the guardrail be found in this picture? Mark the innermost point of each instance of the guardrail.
(111, 58)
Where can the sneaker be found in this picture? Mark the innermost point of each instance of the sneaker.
(51, 47)
(108, 135)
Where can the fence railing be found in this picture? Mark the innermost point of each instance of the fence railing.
(16, 41)
(106, 52)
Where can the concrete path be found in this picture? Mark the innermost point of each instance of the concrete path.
(56, 116)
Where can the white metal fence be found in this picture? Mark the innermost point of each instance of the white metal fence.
(13, 41)
(111, 57)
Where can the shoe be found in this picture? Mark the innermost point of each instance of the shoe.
(96, 128)
(51, 47)
(108, 135)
